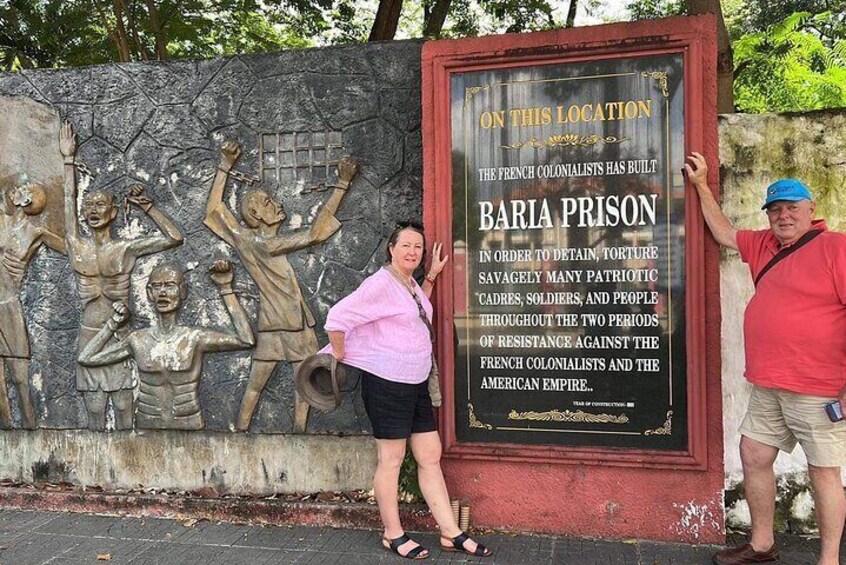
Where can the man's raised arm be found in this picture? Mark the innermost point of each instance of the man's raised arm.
(171, 236)
(219, 219)
(243, 338)
(347, 169)
(68, 146)
(721, 228)
(97, 352)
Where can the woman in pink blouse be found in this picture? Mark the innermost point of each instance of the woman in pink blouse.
(384, 329)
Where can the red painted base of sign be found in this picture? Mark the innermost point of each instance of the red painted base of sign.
(585, 490)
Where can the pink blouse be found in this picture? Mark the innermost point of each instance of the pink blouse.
(383, 332)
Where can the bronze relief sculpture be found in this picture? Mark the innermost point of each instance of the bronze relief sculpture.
(170, 356)
(20, 238)
(285, 325)
(103, 266)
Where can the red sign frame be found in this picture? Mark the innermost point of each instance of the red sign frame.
(695, 41)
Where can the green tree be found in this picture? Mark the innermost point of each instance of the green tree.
(789, 67)
(652, 9)
(53, 33)
(784, 59)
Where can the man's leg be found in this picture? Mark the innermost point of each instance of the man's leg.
(830, 504)
(5, 409)
(19, 372)
(760, 487)
(95, 406)
(260, 372)
(300, 406)
(122, 402)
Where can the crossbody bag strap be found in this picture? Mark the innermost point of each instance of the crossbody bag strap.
(785, 252)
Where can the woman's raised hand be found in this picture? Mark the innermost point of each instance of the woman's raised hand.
(438, 263)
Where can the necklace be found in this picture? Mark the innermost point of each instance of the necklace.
(406, 282)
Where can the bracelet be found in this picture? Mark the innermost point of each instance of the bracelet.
(227, 291)
(221, 169)
(430, 278)
(343, 185)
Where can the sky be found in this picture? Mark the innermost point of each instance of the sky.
(606, 11)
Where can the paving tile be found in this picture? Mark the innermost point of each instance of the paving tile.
(43, 538)
(79, 524)
(153, 529)
(35, 549)
(214, 533)
(18, 520)
(121, 551)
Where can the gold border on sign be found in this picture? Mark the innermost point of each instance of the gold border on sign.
(567, 140)
(474, 421)
(568, 416)
(661, 77)
(470, 92)
(664, 430)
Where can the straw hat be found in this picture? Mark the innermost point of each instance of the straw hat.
(319, 380)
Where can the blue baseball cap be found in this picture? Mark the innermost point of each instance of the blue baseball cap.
(787, 189)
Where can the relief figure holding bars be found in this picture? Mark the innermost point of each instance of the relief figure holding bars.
(170, 356)
(285, 321)
(20, 238)
(103, 266)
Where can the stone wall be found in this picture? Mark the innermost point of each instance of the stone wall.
(756, 150)
(161, 125)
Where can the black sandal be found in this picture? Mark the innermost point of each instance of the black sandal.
(458, 545)
(418, 552)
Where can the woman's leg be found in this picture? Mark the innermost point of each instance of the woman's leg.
(391, 453)
(426, 448)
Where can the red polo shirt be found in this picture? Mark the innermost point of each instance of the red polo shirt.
(795, 324)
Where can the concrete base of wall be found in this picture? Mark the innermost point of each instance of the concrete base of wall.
(183, 461)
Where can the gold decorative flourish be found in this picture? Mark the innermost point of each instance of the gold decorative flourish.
(567, 140)
(664, 430)
(661, 77)
(472, 91)
(474, 421)
(567, 416)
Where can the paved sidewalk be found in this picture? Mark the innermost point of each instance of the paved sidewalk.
(36, 538)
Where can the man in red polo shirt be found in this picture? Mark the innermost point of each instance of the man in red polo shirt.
(795, 340)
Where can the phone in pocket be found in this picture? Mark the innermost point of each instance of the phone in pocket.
(835, 413)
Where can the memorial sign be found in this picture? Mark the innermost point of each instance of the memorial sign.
(569, 241)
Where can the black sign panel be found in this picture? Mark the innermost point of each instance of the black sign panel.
(568, 224)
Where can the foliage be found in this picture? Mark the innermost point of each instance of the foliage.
(408, 484)
(55, 33)
(788, 67)
(759, 15)
(785, 59)
(652, 9)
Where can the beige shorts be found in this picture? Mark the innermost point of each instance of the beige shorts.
(782, 419)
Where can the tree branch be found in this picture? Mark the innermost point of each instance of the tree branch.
(571, 13)
(158, 30)
(123, 39)
(434, 21)
(387, 19)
